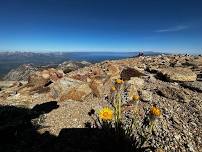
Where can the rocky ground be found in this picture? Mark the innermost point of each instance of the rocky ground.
(174, 83)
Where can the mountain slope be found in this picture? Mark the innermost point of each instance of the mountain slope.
(173, 83)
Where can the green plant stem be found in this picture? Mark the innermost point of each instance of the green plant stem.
(118, 114)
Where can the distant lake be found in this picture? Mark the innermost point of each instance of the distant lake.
(10, 61)
(94, 57)
(99, 56)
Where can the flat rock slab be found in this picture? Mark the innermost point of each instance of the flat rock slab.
(173, 93)
(196, 85)
(178, 74)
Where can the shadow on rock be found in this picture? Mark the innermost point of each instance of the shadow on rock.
(18, 132)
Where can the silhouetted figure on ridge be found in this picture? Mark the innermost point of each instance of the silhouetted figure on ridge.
(140, 54)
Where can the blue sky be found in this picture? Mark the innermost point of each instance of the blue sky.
(101, 25)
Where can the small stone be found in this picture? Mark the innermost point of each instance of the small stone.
(177, 137)
(146, 95)
(190, 146)
(138, 82)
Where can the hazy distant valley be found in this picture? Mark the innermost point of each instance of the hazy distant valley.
(12, 60)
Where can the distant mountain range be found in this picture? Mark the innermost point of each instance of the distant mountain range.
(11, 60)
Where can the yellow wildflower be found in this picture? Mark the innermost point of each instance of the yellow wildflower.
(155, 111)
(106, 114)
(119, 81)
(113, 89)
(136, 97)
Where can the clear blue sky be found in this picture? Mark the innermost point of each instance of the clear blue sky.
(101, 25)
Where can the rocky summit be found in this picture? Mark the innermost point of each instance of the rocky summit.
(172, 82)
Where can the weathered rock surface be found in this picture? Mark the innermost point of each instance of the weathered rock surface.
(138, 82)
(178, 74)
(111, 69)
(196, 85)
(146, 95)
(127, 73)
(69, 66)
(174, 93)
(76, 93)
(134, 84)
(40, 80)
(69, 89)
